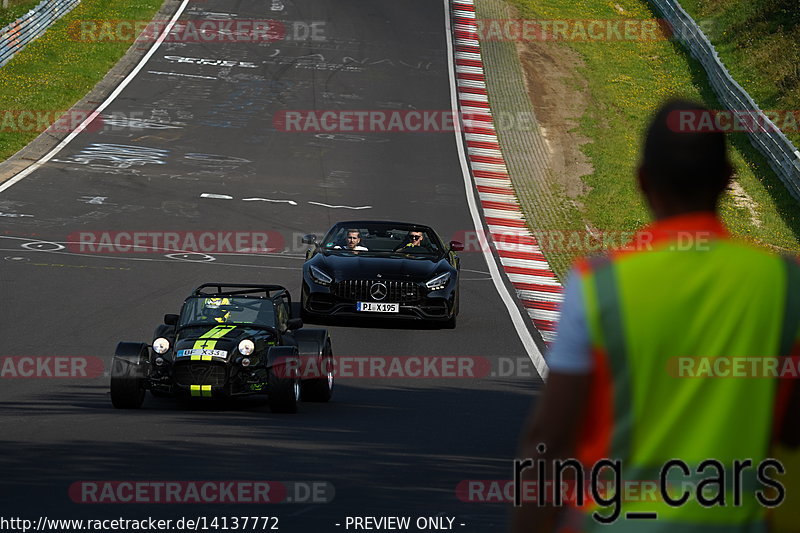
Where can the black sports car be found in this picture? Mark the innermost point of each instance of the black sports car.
(230, 340)
(375, 268)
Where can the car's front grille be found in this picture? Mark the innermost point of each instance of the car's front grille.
(200, 374)
(359, 290)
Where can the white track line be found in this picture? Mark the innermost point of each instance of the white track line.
(47, 157)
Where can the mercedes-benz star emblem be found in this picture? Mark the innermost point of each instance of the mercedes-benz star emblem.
(378, 291)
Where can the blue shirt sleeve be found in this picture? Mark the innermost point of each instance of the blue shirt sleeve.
(571, 351)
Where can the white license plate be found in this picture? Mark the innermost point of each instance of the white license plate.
(198, 351)
(374, 307)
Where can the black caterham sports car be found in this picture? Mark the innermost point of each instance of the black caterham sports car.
(230, 340)
(381, 269)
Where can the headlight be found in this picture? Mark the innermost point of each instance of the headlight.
(438, 282)
(246, 347)
(319, 276)
(160, 345)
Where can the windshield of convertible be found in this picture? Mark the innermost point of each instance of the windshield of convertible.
(381, 239)
(227, 310)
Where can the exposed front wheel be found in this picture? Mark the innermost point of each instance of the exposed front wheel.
(284, 393)
(127, 389)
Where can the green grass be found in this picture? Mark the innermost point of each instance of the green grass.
(759, 43)
(15, 9)
(56, 70)
(627, 80)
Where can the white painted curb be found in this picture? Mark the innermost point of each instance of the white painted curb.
(525, 266)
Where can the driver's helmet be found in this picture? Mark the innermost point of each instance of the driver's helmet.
(214, 308)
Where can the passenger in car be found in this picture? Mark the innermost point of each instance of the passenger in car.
(415, 242)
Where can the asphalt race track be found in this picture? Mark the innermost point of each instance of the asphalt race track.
(198, 120)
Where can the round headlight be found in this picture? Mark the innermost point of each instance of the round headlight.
(160, 345)
(246, 347)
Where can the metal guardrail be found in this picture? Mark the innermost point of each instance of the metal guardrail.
(782, 155)
(31, 25)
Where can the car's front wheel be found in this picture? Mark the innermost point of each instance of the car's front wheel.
(450, 323)
(127, 389)
(284, 393)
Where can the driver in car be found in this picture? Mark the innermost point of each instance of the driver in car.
(353, 241)
(216, 308)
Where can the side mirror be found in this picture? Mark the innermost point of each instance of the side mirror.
(171, 320)
(294, 323)
(456, 246)
(309, 239)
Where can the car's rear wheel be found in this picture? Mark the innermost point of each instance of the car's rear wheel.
(284, 393)
(127, 390)
(320, 389)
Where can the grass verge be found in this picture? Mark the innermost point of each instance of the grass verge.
(546, 196)
(626, 81)
(55, 71)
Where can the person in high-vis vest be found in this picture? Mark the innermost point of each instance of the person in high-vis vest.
(624, 383)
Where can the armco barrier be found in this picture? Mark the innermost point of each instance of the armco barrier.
(779, 151)
(31, 25)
